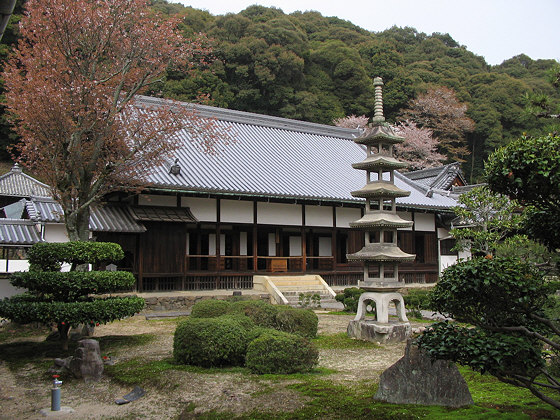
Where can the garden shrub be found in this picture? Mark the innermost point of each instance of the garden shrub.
(278, 352)
(210, 308)
(299, 321)
(68, 299)
(349, 298)
(262, 313)
(417, 299)
(211, 342)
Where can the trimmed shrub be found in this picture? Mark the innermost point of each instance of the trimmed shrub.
(210, 308)
(262, 313)
(349, 298)
(277, 352)
(299, 321)
(417, 299)
(210, 342)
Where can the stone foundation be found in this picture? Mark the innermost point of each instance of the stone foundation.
(186, 302)
(392, 332)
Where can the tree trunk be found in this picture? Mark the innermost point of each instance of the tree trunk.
(77, 225)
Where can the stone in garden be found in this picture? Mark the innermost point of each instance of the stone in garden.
(416, 379)
(87, 363)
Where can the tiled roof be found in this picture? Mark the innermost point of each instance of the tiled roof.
(280, 158)
(18, 232)
(102, 218)
(162, 214)
(440, 178)
(17, 184)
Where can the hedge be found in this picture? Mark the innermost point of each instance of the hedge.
(299, 321)
(211, 342)
(210, 308)
(278, 352)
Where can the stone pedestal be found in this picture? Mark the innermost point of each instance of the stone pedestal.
(377, 332)
(382, 301)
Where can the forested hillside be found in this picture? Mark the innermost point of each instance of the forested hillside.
(315, 68)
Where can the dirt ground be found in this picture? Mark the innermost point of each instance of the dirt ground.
(23, 394)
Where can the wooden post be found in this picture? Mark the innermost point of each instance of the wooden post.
(255, 243)
(303, 240)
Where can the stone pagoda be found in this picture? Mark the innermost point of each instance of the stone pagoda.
(381, 255)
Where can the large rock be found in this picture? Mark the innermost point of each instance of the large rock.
(416, 379)
(87, 363)
(377, 332)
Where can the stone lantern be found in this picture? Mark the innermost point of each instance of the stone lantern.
(381, 255)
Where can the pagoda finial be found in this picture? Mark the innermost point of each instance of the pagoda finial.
(378, 107)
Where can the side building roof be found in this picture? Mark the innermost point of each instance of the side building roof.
(441, 178)
(17, 184)
(277, 158)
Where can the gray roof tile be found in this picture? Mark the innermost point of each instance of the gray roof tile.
(17, 184)
(18, 232)
(281, 158)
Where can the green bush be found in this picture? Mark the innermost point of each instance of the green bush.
(64, 298)
(210, 308)
(49, 256)
(277, 352)
(349, 298)
(417, 299)
(211, 342)
(299, 321)
(69, 286)
(262, 313)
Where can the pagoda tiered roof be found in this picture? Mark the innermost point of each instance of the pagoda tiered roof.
(382, 219)
(377, 161)
(381, 252)
(380, 132)
(380, 189)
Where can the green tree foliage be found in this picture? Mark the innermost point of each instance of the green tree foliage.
(504, 299)
(67, 299)
(484, 220)
(528, 170)
(314, 68)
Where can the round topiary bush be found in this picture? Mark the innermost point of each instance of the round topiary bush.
(278, 352)
(299, 321)
(210, 308)
(262, 313)
(209, 342)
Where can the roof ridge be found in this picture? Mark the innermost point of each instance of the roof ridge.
(244, 117)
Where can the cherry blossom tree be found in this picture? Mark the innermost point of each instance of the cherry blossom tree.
(419, 149)
(439, 110)
(352, 121)
(71, 89)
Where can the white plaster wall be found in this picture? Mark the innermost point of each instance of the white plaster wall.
(425, 222)
(242, 243)
(204, 209)
(405, 215)
(55, 232)
(271, 244)
(346, 215)
(7, 290)
(13, 265)
(157, 200)
(295, 246)
(212, 244)
(222, 244)
(443, 233)
(445, 261)
(325, 248)
(279, 214)
(318, 216)
(236, 211)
